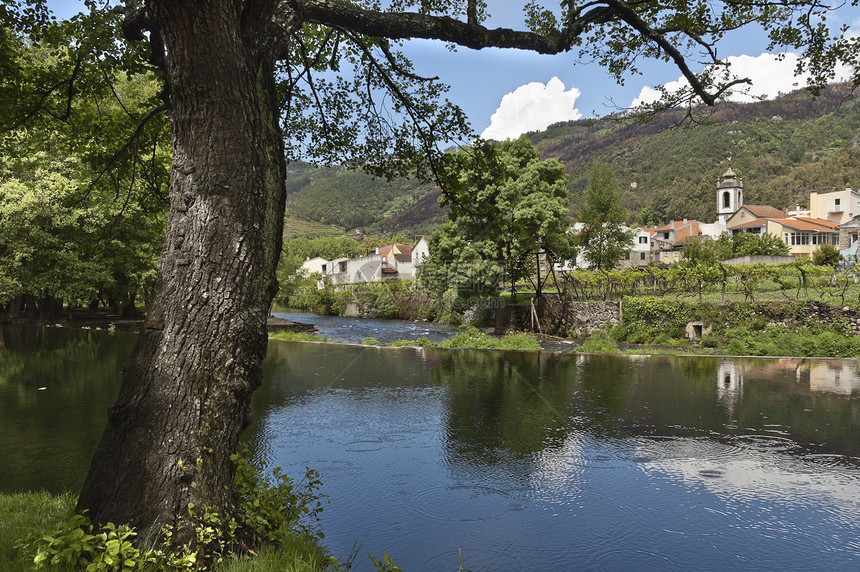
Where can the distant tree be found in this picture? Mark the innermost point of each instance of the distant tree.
(506, 206)
(604, 239)
(739, 244)
(706, 251)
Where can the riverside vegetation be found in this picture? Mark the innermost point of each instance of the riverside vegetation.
(746, 310)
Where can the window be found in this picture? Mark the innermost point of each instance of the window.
(837, 202)
(643, 240)
(657, 256)
(323, 269)
(666, 235)
(785, 238)
(799, 239)
(641, 256)
(627, 256)
(727, 200)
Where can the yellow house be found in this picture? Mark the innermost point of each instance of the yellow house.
(802, 235)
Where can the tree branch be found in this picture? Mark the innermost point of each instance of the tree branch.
(402, 25)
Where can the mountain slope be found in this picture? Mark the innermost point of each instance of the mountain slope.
(782, 149)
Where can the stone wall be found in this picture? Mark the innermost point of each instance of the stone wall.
(562, 317)
(579, 319)
(788, 314)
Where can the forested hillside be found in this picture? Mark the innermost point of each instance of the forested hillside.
(782, 149)
(345, 198)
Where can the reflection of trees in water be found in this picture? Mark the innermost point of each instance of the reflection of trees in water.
(520, 404)
(49, 436)
(504, 405)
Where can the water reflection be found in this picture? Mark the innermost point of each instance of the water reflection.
(520, 460)
(559, 462)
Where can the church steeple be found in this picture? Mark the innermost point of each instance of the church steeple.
(730, 195)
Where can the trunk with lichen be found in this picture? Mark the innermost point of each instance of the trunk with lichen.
(186, 389)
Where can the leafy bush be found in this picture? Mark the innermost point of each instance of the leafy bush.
(420, 342)
(266, 513)
(369, 341)
(472, 338)
(826, 255)
(598, 342)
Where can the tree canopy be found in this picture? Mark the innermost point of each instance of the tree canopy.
(506, 206)
(603, 237)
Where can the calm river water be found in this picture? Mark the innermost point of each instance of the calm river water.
(512, 460)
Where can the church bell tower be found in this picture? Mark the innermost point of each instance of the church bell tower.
(730, 195)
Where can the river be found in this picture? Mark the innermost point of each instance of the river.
(510, 461)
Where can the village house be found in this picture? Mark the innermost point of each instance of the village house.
(390, 262)
(833, 218)
(640, 252)
(315, 265)
(837, 206)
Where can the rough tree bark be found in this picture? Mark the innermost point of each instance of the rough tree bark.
(186, 390)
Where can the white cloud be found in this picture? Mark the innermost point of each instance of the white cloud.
(770, 74)
(532, 107)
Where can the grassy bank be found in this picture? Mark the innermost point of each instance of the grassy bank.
(20, 513)
(23, 513)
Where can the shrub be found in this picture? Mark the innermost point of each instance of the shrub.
(472, 338)
(598, 342)
(266, 513)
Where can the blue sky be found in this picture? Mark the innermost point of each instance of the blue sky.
(518, 87)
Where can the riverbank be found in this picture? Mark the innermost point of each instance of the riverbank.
(23, 513)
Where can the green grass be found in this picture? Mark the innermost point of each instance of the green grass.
(472, 338)
(420, 342)
(25, 512)
(297, 337)
(598, 342)
(20, 513)
(298, 553)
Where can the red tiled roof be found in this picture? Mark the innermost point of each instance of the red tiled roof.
(809, 224)
(676, 224)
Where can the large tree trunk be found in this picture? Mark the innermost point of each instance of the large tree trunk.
(186, 389)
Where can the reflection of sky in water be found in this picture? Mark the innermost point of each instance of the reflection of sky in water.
(745, 503)
(424, 467)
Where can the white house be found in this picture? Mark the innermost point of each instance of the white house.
(313, 265)
(389, 262)
(838, 206)
(421, 251)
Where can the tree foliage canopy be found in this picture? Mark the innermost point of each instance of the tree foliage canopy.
(738, 244)
(603, 238)
(506, 205)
